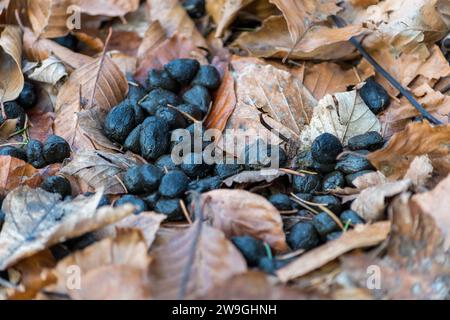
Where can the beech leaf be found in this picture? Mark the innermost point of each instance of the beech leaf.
(12, 80)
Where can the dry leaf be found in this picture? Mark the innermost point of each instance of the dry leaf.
(174, 19)
(239, 212)
(41, 117)
(36, 219)
(100, 169)
(254, 285)
(112, 269)
(223, 12)
(419, 171)
(224, 104)
(419, 138)
(371, 202)
(344, 115)
(248, 177)
(15, 172)
(50, 71)
(215, 261)
(302, 14)
(101, 77)
(12, 81)
(319, 43)
(360, 237)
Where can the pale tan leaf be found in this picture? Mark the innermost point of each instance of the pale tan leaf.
(174, 19)
(110, 8)
(49, 18)
(101, 76)
(419, 171)
(36, 219)
(50, 71)
(100, 169)
(344, 115)
(12, 81)
(216, 260)
(112, 269)
(253, 177)
(224, 12)
(239, 212)
(360, 237)
(418, 138)
(302, 14)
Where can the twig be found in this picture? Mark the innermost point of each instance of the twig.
(301, 203)
(269, 127)
(185, 211)
(193, 249)
(4, 116)
(102, 61)
(341, 23)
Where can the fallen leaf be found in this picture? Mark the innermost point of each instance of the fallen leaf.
(256, 176)
(371, 202)
(12, 81)
(36, 219)
(254, 285)
(50, 71)
(418, 138)
(223, 12)
(239, 212)
(110, 8)
(344, 115)
(419, 171)
(215, 261)
(100, 80)
(360, 237)
(41, 117)
(302, 14)
(15, 172)
(174, 19)
(112, 269)
(272, 40)
(100, 169)
(48, 18)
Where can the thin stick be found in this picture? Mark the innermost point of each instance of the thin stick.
(4, 116)
(185, 211)
(121, 183)
(332, 216)
(293, 172)
(269, 127)
(341, 23)
(304, 205)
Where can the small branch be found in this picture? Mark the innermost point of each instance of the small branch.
(269, 127)
(341, 23)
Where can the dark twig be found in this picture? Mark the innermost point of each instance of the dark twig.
(341, 23)
(192, 251)
(271, 129)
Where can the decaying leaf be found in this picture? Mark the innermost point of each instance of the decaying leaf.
(253, 177)
(302, 14)
(344, 115)
(239, 212)
(15, 172)
(49, 71)
(112, 269)
(100, 169)
(36, 219)
(418, 138)
(215, 261)
(98, 84)
(12, 79)
(362, 236)
(224, 12)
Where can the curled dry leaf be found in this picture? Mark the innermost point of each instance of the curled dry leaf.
(50, 71)
(419, 171)
(106, 269)
(215, 261)
(98, 84)
(272, 40)
(239, 212)
(174, 19)
(41, 117)
(15, 172)
(362, 236)
(12, 81)
(223, 12)
(418, 138)
(344, 115)
(100, 169)
(371, 202)
(302, 14)
(248, 177)
(254, 285)
(37, 219)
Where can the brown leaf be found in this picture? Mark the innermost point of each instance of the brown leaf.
(419, 138)
(216, 260)
(360, 237)
(110, 8)
(239, 212)
(112, 269)
(254, 285)
(224, 104)
(174, 19)
(223, 12)
(50, 71)
(302, 14)
(15, 172)
(319, 43)
(41, 117)
(100, 169)
(12, 81)
(48, 18)
(101, 77)
(36, 219)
